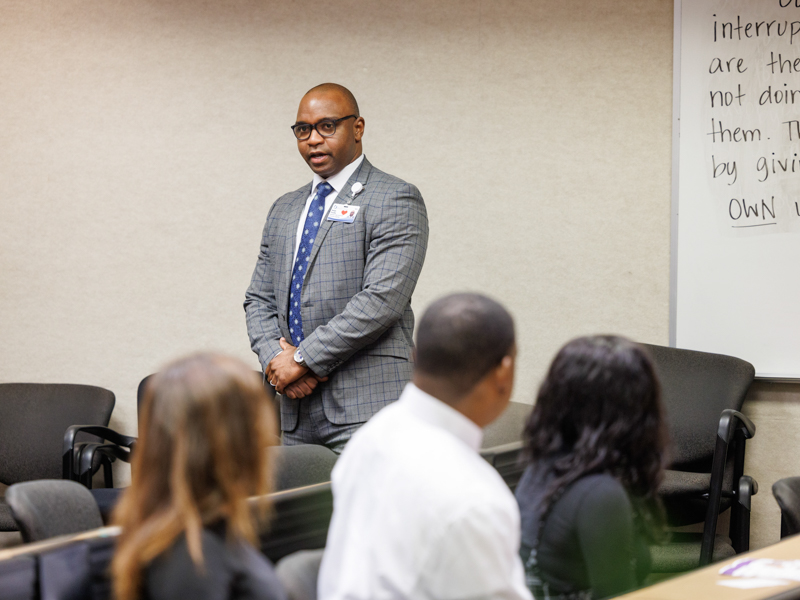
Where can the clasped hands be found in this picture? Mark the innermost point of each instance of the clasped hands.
(288, 377)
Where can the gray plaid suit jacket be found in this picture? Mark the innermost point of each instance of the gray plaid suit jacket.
(356, 298)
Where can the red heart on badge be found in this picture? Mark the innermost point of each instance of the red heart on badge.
(344, 212)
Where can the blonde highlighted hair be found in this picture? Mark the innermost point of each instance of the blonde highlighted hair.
(204, 429)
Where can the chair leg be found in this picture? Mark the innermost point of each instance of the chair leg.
(86, 480)
(108, 477)
(85, 475)
(740, 514)
(784, 526)
(714, 495)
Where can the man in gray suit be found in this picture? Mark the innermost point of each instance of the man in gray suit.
(329, 304)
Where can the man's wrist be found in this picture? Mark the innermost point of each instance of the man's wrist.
(299, 358)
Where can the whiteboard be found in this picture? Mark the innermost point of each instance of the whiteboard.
(736, 182)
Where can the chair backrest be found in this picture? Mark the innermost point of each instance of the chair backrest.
(33, 419)
(301, 465)
(508, 427)
(77, 570)
(52, 507)
(507, 460)
(140, 394)
(300, 520)
(63, 568)
(696, 388)
(787, 495)
(18, 578)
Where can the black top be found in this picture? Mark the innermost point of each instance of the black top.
(589, 545)
(233, 569)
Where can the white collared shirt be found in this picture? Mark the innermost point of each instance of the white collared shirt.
(418, 513)
(337, 182)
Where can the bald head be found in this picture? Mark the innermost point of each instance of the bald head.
(349, 101)
(461, 338)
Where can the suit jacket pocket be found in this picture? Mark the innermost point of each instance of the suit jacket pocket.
(364, 385)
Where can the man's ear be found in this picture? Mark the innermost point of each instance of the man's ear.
(504, 375)
(358, 128)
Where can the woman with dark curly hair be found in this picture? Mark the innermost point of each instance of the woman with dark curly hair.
(596, 442)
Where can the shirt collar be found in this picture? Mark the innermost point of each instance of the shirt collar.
(337, 181)
(436, 412)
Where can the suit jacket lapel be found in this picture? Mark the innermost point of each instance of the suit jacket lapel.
(361, 174)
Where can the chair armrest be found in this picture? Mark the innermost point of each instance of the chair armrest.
(105, 433)
(67, 457)
(88, 453)
(77, 448)
(728, 423)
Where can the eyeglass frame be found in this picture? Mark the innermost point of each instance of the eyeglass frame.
(314, 127)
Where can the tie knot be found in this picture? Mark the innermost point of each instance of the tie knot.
(323, 189)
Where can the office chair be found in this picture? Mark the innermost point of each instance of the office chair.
(702, 395)
(787, 494)
(33, 418)
(51, 507)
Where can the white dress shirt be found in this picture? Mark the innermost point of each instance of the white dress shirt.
(337, 182)
(418, 513)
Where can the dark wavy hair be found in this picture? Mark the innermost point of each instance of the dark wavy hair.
(599, 411)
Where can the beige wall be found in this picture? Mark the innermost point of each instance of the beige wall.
(142, 143)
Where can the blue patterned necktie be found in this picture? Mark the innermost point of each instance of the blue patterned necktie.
(313, 220)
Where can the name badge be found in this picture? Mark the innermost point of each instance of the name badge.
(343, 213)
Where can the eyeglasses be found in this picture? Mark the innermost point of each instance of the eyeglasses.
(325, 127)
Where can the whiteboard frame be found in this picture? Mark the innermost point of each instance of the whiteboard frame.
(674, 212)
(676, 148)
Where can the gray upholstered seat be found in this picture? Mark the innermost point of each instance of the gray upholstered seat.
(681, 553)
(680, 484)
(51, 507)
(33, 419)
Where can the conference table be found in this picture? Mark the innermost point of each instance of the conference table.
(708, 584)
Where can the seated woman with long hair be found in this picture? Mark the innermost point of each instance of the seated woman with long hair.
(596, 444)
(187, 528)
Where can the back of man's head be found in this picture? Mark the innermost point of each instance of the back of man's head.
(460, 339)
